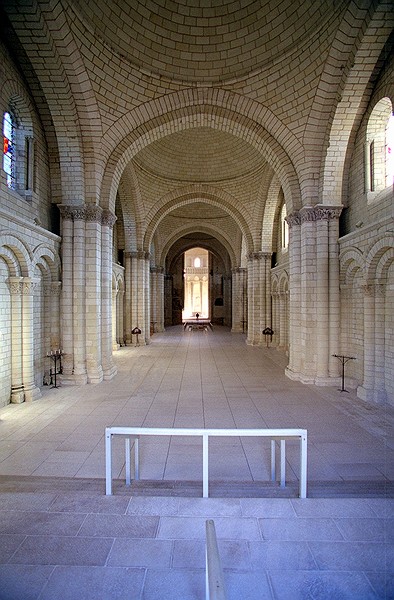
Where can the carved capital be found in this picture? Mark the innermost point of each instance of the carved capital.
(93, 214)
(259, 256)
(327, 213)
(108, 219)
(15, 285)
(307, 214)
(293, 219)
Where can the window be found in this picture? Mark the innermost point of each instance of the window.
(379, 154)
(9, 149)
(197, 262)
(284, 228)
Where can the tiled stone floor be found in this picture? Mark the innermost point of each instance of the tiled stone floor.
(61, 537)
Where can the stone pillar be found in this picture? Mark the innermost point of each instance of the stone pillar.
(366, 391)
(308, 295)
(54, 323)
(115, 345)
(79, 296)
(227, 300)
(120, 333)
(31, 391)
(93, 294)
(17, 392)
(259, 296)
(160, 300)
(108, 220)
(380, 395)
(66, 321)
(238, 300)
(157, 298)
(314, 294)
(147, 299)
(128, 298)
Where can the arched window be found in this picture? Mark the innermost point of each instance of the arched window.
(284, 228)
(9, 149)
(197, 262)
(379, 159)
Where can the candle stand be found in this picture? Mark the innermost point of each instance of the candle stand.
(56, 357)
(343, 359)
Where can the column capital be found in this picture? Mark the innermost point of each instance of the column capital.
(327, 213)
(157, 269)
(238, 270)
(293, 219)
(15, 285)
(94, 214)
(259, 256)
(108, 218)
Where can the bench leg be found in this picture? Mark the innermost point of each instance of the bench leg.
(205, 475)
(136, 459)
(273, 461)
(283, 463)
(127, 451)
(108, 464)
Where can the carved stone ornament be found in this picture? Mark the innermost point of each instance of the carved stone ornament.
(307, 214)
(94, 214)
(259, 256)
(15, 285)
(108, 218)
(327, 213)
(293, 219)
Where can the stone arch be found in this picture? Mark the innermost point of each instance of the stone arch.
(48, 260)
(284, 282)
(352, 80)
(210, 108)
(17, 254)
(271, 207)
(226, 243)
(378, 260)
(352, 263)
(188, 195)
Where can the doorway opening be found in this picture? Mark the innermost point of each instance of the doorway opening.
(196, 284)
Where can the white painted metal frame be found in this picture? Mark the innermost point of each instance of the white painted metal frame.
(274, 434)
(215, 588)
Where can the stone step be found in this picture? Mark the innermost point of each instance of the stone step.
(217, 489)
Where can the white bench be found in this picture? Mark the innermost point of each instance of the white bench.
(134, 433)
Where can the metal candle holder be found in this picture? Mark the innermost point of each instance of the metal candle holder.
(56, 356)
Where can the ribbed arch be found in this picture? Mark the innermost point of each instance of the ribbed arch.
(259, 127)
(17, 255)
(380, 257)
(48, 260)
(198, 228)
(189, 195)
(355, 91)
(352, 264)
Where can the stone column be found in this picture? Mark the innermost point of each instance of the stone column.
(294, 366)
(93, 340)
(54, 324)
(380, 395)
(17, 392)
(322, 299)
(66, 304)
(238, 300)
(120, 333)
(147, 299)
(79, 296)
(259, 294)
(108, 220)
(115, 345)
(366, 391)
(128, 298)
(160, 295)
(227, 299)
(31, 391)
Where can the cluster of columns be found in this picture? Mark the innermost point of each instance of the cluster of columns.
(374, 384)
(314, 297)
(86, 306)
(259, 296)
(23, 387)
(239, 300)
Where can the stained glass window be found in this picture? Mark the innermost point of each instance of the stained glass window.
(8, 149)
